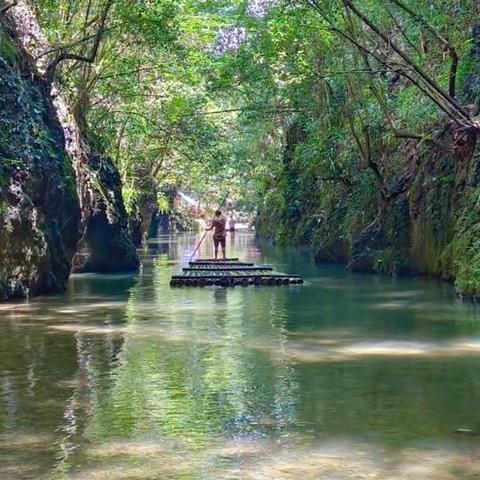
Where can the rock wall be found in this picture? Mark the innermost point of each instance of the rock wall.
(427, 219)
(432, 227)
(39, 209)
(429, 224)
(105, 244)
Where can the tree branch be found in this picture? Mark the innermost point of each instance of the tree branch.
(422, 74)
(81, 58)
(63, 48)
(399, 69)
(6, 8)
(444, 42)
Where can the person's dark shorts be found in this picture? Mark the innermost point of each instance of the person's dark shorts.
(219, 241)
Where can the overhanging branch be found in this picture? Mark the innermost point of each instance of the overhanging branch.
(64, 55)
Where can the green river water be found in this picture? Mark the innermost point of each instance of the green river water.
(346, 377)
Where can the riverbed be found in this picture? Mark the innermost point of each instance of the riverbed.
(349, 376)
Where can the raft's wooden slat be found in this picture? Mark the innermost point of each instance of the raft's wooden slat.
(227, 265)
(221, 264)
(232, 268)
(228, 273)
(234, 281)
(218, 277)
(224, 265)
(202, 260)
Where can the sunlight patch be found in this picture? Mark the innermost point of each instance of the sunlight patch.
(255, 460)
(259, 8)
(89, 329)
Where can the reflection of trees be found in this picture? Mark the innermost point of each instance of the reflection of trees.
(194, 376)
(95, 356)
(46, 381)
(26, 376)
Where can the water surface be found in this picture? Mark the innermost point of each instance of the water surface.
(346, 377)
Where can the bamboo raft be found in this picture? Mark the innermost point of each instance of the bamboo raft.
(230, 273)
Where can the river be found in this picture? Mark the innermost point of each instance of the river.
(349, 376)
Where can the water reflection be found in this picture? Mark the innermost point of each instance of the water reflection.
(351, 376)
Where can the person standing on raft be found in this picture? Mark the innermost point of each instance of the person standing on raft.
(219, 225)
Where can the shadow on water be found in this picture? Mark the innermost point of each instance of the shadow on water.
(350, 376)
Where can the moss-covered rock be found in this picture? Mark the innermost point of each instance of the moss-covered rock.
(106, 245)
(462, 255)
(383, 245)
(429, 225)
(39, 210)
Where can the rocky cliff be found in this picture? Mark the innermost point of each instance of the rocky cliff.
(39, 210)
(427, 220)
(105, 244)
(430, 225)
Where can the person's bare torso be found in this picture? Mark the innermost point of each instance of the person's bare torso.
(219, 227)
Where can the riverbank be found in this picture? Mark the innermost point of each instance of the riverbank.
(426, 228)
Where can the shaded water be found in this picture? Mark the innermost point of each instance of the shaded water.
(349, 376)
